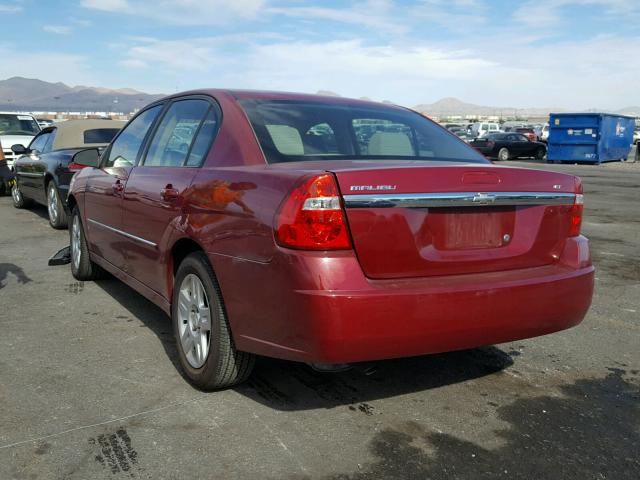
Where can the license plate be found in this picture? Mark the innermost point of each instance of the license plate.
(473, 228)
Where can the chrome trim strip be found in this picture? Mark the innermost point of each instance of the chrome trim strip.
(457, 199)
(29, 174)
(125, 234)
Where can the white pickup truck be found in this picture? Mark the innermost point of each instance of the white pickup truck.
(16, 128)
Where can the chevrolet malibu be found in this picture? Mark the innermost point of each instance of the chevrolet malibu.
(324, 230)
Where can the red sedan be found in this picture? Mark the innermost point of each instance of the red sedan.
(324, 230)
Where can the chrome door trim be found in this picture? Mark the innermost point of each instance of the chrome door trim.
(29, 174)
(457, 199)
(124, 234)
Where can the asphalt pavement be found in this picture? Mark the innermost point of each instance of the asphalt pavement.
(90, 387)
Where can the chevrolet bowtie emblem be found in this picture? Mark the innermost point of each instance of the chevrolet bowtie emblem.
(484, 198)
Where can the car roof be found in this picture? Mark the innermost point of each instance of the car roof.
(70, 134)
(240, 94)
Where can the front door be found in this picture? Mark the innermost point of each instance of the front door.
(105, 188)
(29, 177)
(154, 192)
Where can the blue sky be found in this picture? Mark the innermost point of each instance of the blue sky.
(556, 53)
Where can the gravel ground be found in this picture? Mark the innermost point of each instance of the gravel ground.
(89, 387)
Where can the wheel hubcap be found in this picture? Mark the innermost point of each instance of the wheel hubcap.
(16, 194)
(52, 205)
(194, 320)
(75, 242)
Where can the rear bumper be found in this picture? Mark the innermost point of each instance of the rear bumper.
(318, 309)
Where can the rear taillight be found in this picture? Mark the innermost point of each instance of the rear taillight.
(312, 218)
(490, 144)
(575, 210)
(575, 215)
(74, 167)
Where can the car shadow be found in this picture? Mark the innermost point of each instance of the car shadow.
(284, 385)
(295, 386)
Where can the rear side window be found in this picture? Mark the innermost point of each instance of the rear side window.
(301, 130)
(100, 135)
(171, 144)
(204, 139)
(124, 150)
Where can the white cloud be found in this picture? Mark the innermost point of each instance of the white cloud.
(106, 5)
(581, 74)
(10, 8)
(374, 14)
(550, 13)
(57, 29)
(181, 12)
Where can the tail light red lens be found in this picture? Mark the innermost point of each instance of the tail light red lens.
(74, 167)
(575, 215)
(312, 218)
(490, 144)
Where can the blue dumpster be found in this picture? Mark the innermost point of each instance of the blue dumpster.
(589, 137)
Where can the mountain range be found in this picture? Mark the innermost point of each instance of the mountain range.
(452, 106)
(28, 94)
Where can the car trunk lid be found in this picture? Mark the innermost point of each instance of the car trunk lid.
(450, 220)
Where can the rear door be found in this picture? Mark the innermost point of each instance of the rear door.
(105, 188)
(153, 198)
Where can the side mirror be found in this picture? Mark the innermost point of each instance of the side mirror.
(19, 149)
(87, 158)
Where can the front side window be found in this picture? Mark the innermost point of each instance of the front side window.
(124, 150)
(172, 141)
(38, 143)
(300, 130)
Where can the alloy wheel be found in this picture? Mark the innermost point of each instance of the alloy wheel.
(52, 204)
(15, 193)
(76, 250)
(194, 320)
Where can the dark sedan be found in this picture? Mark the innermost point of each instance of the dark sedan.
(44, 171)
(505, 146)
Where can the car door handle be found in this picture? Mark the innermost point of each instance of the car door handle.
(117, 187)
(169, 193)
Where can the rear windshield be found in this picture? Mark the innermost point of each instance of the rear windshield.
(11, 124)
(291, 131)
(100, 135)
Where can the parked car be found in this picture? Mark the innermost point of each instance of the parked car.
(636, 135)
(274, 227)
(44, 122)
(6, 176)
(483, 128)
(44, 170)
(16, 128)
(506, 146)
(527, 132)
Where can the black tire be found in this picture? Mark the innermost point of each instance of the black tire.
(504, 154)
(18, 199)
(224, 366)
(82, 268)
(58, 217)
(540, 153)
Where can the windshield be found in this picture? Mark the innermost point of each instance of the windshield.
(290, 131)
(11, 124)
